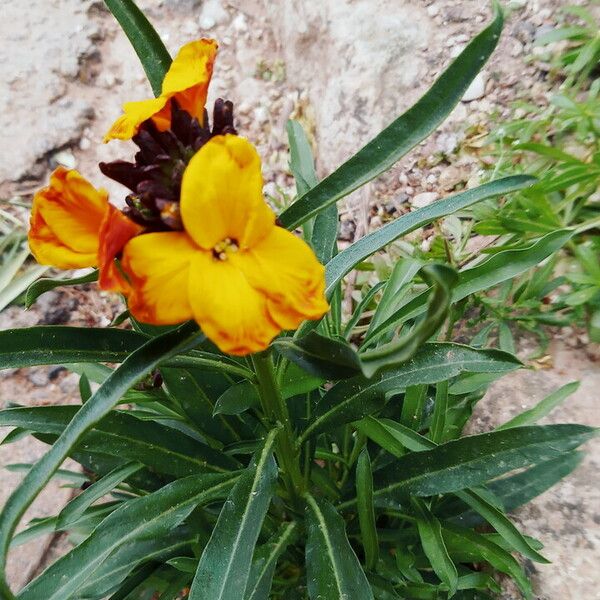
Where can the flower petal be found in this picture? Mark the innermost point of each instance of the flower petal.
(135, 113)
(230, 311)
(285, 269)
(158, 266)
(116, 230)
(65, 221)
(221, 194)
(186, 80)
(189, 75)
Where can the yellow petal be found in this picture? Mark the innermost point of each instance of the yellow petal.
(158, 266)
(228, 309)
(65, 221)
(285, 269)
(135, 113)
(189, 75)
(221, 194)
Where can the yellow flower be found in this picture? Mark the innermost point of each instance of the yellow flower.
(242, 278)
(186, 81)
(73, 226)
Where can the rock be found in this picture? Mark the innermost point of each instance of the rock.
(213, 13)
(64, 158)
(450, 177)
(477, 88)
(35, 118)
(518, 4)
(424, 199)
(38, 377)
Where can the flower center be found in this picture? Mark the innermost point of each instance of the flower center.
(224, 248)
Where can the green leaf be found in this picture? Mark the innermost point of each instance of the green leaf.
(41, 286)
(430, 532)
(440, 411)
(500, 267)
(366, 509)
(442, 278)
(124, 436)
(403, 134)
(237, 399)
(468, 546)
(302, 163)
(265, 561)
(320, 356)
(145, 41)
(517, 490)
(355, 398)
(501, 524)
(148, 517)
(333, 571)
(97, 490)
(473, 460)
(135, 367)
(541, 409)
(225, 564)
(55, 345)
(345, 261)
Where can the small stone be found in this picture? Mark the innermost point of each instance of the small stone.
(213, 13)
(424, 199)
(64, 158)
(450, 177)
(433, 10)
(38, 377)
(476, 89)
(85, 144)
(239, 23)
(517, 4)
(261, 114)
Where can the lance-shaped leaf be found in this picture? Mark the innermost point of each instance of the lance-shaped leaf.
(135, 367)
(163, 449)
(430, 532)
(358, 397)
(473, 460)
(55, 345)
(145, 41)
(333, 570)
(403, 134)
(346, 260)
(225, 564)
(150, 516)
(41, 286)
(97, 490)
(366, 509)
(265, 561)
(236, 399)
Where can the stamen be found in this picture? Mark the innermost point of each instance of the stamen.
(222, 250)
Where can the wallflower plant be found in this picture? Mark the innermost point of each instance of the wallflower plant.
(248, 444)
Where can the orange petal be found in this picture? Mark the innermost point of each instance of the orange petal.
(189, 76)
(116, 230)
(285, 269)
(65, 221)
(221, 194)
(230, 311)
(187, 81)
(158, 265)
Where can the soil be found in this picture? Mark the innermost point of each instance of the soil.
(65, 69)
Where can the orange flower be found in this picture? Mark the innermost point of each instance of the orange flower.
(242, 278)
(67, 219)
(187, 81)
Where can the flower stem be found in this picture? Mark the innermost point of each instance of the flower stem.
(276, 410)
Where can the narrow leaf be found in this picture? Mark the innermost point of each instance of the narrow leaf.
(333, 571)
(224, 567)
(541, 409)
(135, 367)
(41, 286)
(366, 510)
(430, 532)
(145, 41)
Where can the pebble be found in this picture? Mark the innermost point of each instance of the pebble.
(64, 158)
(433, 10)
(424, 199)
(477, 88)
(213, 13)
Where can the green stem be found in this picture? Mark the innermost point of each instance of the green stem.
(276, 411)
(209, 361)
